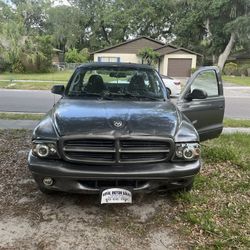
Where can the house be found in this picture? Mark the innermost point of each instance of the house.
(57, 56)
(174, 61)
(241, 57)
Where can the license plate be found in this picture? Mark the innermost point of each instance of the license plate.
(116, 195)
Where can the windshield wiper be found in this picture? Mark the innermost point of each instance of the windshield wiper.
(102, 96)
(128, 94)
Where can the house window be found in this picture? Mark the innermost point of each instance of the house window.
(108, 59)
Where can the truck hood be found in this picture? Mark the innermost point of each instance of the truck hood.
(91, 117)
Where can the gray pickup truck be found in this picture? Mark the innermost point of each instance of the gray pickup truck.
(116, 132)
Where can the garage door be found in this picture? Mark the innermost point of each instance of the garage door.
(180, 67)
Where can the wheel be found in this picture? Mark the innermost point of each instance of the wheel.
(185, 189)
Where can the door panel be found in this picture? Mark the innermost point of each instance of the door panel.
(205, 114)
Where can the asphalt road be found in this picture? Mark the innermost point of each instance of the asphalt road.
(39, 101)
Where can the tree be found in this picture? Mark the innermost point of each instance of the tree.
(12, 41)
(38, 51)
(64, 25)
(22, 35)
(213, 27)
(149, 55)
(108, 22)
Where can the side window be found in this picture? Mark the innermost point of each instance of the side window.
(206, 81)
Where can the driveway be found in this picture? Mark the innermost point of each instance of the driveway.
(32, 220)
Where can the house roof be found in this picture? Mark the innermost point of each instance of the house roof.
(186, 50)
(241, 55)
(161, 48)
(127, 42)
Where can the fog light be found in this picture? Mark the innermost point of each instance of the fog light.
(42, 150)
(48, 181)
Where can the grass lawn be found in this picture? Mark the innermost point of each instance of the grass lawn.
(20, 116)
(55, 76)
(59, 77)
(29, 85)
(234, 123)
(216, 213)
(238, 80)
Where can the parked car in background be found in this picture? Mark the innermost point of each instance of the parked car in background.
(115, 132)
(173, 85)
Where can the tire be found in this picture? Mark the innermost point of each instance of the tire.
(185, 189)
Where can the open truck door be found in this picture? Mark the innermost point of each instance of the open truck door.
(203, 102)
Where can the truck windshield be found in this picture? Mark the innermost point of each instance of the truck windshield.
(116, 83)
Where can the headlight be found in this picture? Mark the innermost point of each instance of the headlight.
(45, 149)
(187, 151)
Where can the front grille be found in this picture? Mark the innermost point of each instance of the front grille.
(117, 151)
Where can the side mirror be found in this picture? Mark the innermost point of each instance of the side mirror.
(58, 89)
(196, 94)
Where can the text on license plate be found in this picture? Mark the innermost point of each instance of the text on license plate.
(116, 195)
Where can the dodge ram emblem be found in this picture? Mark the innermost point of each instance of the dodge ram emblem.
(118, 124)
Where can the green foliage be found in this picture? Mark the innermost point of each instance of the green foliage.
(202, 26)
(238, 146)
(21, 36)
(73, 56)
(193, 70)
(10, 48)
(236, 123)
(148, 55)
(38, 51)
(64, 25)
(18, 67)
(230, 69)
(244, 69)
(238, 80)
(216, 211)
(206, 26)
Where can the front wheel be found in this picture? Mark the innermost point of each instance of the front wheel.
(186, 188)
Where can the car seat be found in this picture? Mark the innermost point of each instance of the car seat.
(95, 84)
(137, 84)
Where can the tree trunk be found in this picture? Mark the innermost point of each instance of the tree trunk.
(214, 57)
(105, 34)
(224, 55)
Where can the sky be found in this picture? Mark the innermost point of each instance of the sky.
(56, 2)
(61, 2)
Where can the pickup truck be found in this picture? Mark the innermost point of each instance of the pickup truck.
(116, 132)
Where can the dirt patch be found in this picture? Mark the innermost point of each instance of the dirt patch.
(32, 220)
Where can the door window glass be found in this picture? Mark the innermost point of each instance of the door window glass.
(206, 81)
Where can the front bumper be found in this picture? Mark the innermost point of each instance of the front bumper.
(78, 178)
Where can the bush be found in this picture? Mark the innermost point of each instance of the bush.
(73, 56)
(18, 67)
(148, 55)
(244, 69)
(230, 69)
(193, 70)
